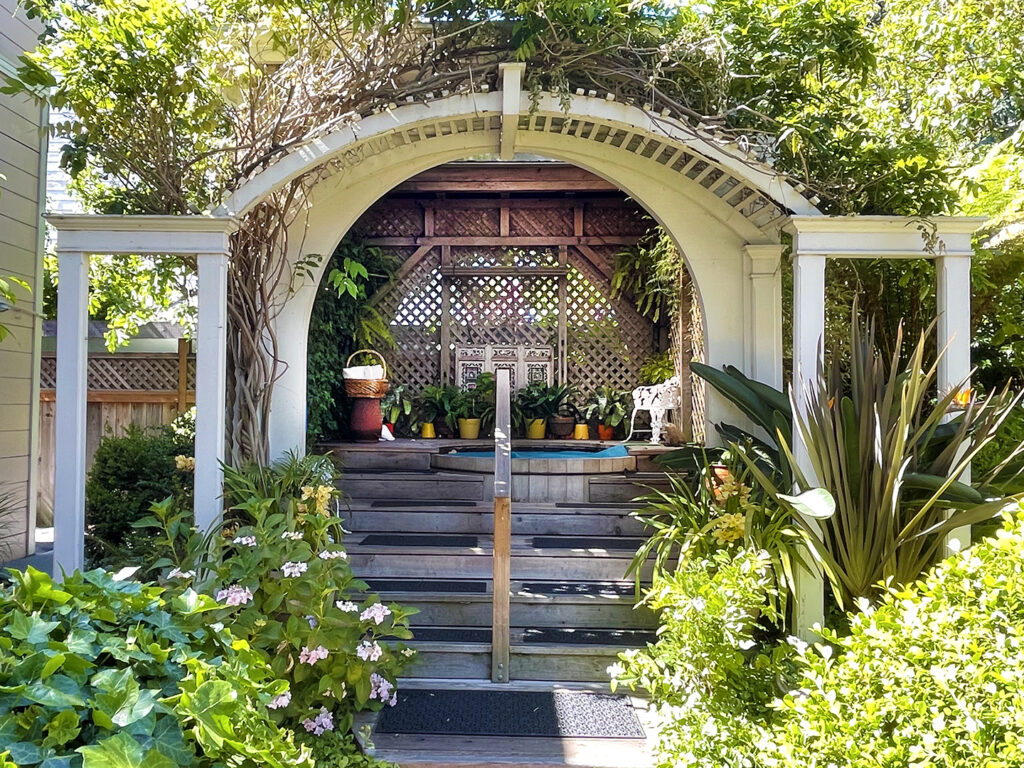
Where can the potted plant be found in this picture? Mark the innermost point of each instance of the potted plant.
(435, 408)
(563, 423)
(473, 404)
(396, 405)
(539, 403)
(608, 407)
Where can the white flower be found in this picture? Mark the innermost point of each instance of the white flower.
(380, 687)
(177, 573)
(245, 541)
(377, 612)
(280, 701)
(347, 606)
(294, 569)
(333, 554)
(292, 535)
(369, 651)
(234, 595)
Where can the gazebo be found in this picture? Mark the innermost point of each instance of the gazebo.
(728, 213)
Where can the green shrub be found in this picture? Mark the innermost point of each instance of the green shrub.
(129, 473)
(101, 674)
(930, 677)
(279, 570)
(712, 674)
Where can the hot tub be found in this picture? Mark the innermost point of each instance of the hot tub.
(532, 460)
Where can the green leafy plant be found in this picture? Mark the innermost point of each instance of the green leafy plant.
(650, 273)
(130, 472)
(436, 405)
(542, 401)
(397, 405)
(928, 676)
(477, 401)
(107, 674)
(723, 507)
(608, 406)
(279, 570)
(890, 453)
(657, 369)
(715, 668)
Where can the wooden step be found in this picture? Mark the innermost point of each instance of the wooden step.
(542, 522)
(401, 485)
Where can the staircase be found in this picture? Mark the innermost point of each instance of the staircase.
(423, 538)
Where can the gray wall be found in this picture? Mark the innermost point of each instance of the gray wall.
(22, 193)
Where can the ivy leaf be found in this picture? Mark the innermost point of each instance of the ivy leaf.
(59, 691)
(117, 751)
(62, 728)
(31, 629)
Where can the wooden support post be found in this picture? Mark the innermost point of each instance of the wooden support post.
(563, 317)
(182, 375)
(72, 390)
(502, 566)
(445, 362)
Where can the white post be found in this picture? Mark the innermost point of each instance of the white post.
(211, 387)
(953, 331)
(765, 329)
(808, 338)
(72, 397)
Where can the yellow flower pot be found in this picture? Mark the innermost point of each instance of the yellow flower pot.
(469, 429)
(535, 429)
(427, 430)
(581, 432)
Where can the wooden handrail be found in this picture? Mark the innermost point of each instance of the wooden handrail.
(502, 528)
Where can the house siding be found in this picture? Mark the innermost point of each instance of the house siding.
(22, 193)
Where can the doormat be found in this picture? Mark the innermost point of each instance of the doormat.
(628, 638)
(624, 589)
(451, 634)
(397, 504)
(459, 586)
(566, 714)
(418, 540)
(587, 542)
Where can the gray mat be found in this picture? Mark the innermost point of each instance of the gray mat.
(588, 542)
(589, 588)
(568, 714)
(628, 638)
(420, 585)
(451, 634)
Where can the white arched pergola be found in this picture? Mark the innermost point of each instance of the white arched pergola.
(726, 212)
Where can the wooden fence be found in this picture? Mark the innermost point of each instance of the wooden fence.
(125, 388)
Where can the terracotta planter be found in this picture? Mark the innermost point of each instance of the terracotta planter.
(604, 432)
(469, 429)
(561, 426)
(427, 430)
(581, 432)
(535, 429)
(366, 419)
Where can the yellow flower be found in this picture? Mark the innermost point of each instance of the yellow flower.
(730, 527)
(185, 463)
(962, 399)
(308, 492)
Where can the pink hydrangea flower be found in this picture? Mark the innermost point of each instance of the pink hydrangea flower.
(380, 687)
(347, 606)
(377, 612)
(311, 657)
(292, 570)
(234, 595)
(321, 723)
(280, 701)
(369, 651)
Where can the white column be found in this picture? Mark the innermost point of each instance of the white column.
(808, 337)
(953, 332)
(211, 387)
(765, 328)
(72, 394)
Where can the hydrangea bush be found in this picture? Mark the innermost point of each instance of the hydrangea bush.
(279, 571)
(106, 674)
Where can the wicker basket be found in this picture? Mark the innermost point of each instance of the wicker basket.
(375, 388)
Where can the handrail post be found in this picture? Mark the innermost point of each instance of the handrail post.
(502, 529)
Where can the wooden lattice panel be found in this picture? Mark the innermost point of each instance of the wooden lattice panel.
(124, 372)
(615, 220)
(495, 256)
(699, 391)
(388, 220)
(504, 309)
(480, 222)
(608, 341)
(413, 305)
(544, 222)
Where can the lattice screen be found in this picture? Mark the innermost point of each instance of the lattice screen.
(124, 372)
